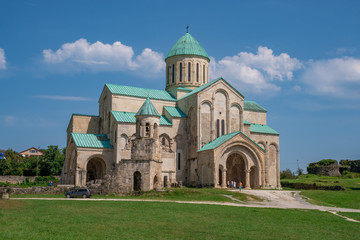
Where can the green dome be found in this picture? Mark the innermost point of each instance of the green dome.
(147, 109)
(187, 45)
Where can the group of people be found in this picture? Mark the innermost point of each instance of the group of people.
(234, 184)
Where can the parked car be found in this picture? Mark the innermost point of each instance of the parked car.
(78, 192)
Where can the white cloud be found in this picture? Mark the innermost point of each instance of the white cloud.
(339, 77)
(256, 72)
(297, 88)
(83, 56)
(62, 98)
(9, 120)
(2, 59)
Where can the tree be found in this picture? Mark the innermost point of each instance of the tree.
(287, 174)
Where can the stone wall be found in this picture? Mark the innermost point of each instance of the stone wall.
(18, 179)
(329, 170)
(35, 190)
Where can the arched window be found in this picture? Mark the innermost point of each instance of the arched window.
(222, 127)
(137, 181)
(180, 72)
(197, 72)
(163, 141)
(217, 128)
(189, 71)
(178, 161)
(173, 72)
(204, 73)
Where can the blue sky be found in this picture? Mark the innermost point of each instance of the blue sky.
(298, 59)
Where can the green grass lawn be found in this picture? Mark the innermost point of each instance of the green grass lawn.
(179, 194)
(352, 215)
(349, 198)
(40, 219)
(344, 199)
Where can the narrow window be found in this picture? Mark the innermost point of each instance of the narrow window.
(163, 141)
(168, 74)
(222, 127)
(189, 72)
(178, 160)
(180, 72)
(173, 73)
(197, 72)
(204, 73)
(217, 128)
(147, 129)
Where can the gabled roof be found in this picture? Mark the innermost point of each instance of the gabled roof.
(129, 117)
(147, 109)
(140, 92)
(87, 140)
(187, 45)
(253, 106)
(175, 112)
(30, 149)
(260, 128)
(224, 138)
(196, 90)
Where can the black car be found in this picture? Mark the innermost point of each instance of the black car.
(78, 192)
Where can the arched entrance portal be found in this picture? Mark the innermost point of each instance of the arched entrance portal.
(235, 166)
(95, 169)
(137, 181)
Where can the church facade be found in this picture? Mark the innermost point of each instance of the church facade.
(195, 132)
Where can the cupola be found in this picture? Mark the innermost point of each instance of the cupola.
(187, 64)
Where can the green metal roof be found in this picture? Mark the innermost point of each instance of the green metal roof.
(259, 128)
(129, 117)
(187, 45)
(253, 106)
(126, 117)
(147, 109)
(217, 142)
(246, 122)
(175, 112)
(140, 92)
(83, 115)
(91, 140)
(164, 121)
(196, 90)
(222, 139)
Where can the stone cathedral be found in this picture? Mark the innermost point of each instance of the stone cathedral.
(196, 132)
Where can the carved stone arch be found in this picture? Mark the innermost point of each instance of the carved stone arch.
(223, 91)
(123, 141)
(221, 112)
(206, 101)
(205, 122)
(254, 153)
(273, 165)
(251, 161)
(100, 156)
(236, 117)
(275, 145)
(263, 144)
(96, 167)
(164, 140)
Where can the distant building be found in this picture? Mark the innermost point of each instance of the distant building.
(31, 152)
(196, 132)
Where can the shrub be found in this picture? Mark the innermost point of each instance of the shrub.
(287, 174)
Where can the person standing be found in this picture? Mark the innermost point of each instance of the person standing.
(240, 186)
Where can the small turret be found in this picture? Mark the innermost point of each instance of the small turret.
(146, 145)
